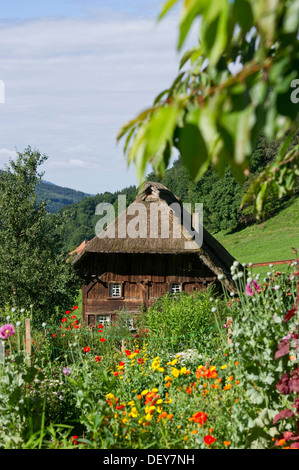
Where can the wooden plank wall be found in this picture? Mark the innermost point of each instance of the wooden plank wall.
(144, 278)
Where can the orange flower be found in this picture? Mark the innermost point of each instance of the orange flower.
(139, 396)
(227, 387)
(236, 363)
(226, 443)
(194, 432)
(167, 384)
(189, 390)
(170, 416)
(199, 418)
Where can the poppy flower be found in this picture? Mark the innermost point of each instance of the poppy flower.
(86, 349)
(101, 326)
(208, 440)
(73, 316)
(97, 358)
(6, 331)
(67, 312)
(75, 307)
(102, 340)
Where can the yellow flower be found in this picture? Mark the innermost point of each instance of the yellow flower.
(175, 372)
(148, 416)
(159, 409)
(131, 403)
(144, 392)
(223, 367)
(183, 370)
(159, 401)
(161, 369)
(168, 378)
(155, 390)
(134, 412)
(125, 420)
(109, 395)
(169, 400)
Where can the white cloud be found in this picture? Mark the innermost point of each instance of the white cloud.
(72, 83)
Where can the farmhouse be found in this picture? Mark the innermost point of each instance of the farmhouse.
(150, 249)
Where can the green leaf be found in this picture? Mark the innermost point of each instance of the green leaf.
(192, 146)
(243, 14)
(166, 7)
(214, 30)
(191, 9)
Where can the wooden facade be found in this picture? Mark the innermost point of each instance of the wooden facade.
(130, 274)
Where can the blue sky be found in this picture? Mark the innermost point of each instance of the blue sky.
(74, 72)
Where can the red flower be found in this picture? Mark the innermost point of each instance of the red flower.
(86, 349)
(74, 439)
(73, 316)
(101, 326)
(102, 340)
(121, 363)
(128, 352)
(75, 308)
(53, 336)
(67, 312)
(97, 358)
(208, 440)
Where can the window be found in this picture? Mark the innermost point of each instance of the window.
(114, 290)
(175, 288)
(103, 319)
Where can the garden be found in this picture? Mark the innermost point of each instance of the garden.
(198, 371)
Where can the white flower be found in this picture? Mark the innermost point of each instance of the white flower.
(22, 310)
(13, 309)
(240, 274)
(236, 263)
(44, 324)
(19, 323)
(214, 310)
(250, 264)
(270, 265)
(249, 280)
(8, 318)
(220, 277)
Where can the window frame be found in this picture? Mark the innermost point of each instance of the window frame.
(113, 297)
(175, 291)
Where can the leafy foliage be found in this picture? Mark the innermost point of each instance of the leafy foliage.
(33, 268)
(212, 113)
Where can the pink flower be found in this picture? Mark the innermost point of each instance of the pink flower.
(6, 331)
(249, 291)
(256, 288)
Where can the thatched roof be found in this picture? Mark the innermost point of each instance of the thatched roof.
(150, 238)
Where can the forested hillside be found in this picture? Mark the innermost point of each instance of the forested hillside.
(57, 197)
(221, 198)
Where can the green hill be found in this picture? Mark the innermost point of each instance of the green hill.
(58, 197)
(269, 241)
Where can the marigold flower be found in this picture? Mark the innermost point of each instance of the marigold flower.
(167, 384)
(226, 443)
(170, 416)
(194, 431)
(227, 387)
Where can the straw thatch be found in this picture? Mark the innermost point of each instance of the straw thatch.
(152, 238)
